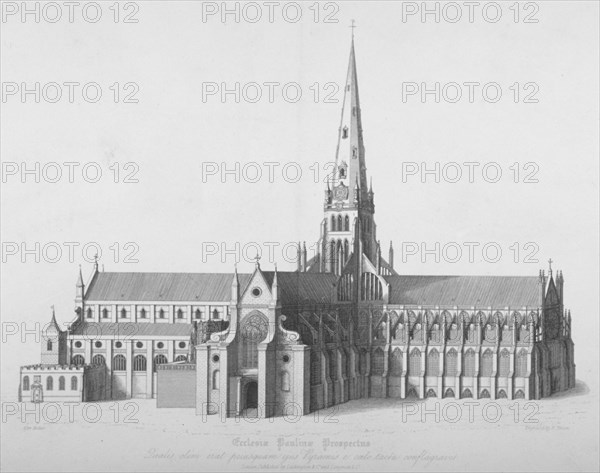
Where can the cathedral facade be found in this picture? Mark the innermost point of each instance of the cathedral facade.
(344, 326)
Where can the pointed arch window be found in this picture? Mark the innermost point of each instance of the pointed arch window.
(451, 362)
(215, 314)
(333, 223)
(414, 365)
(333, 371)
(254, 331)
(61, 383)
(49, 383)
(89, 313)
(339, 223)
(74, 383)
(397, 362)
(179, 314)
(49, 345)
(504, 363)
(105, 313)
(198, 314)
(161, 313)
(522, 363)
(143, 313)
(347, 223)
(487, 363)
(315, 368)
(469, 363)
(123, 313)
(377, 364)
(433, 363)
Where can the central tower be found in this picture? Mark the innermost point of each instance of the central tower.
(348, 227)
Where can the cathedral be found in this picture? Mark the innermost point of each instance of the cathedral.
(344, 326)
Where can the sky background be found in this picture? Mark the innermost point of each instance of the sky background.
(171, 133)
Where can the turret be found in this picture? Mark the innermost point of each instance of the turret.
(79, 292)
(559, 286)
(542, 288)
(53, 342)
(304, 258)
(391, 256)
(235, 287)
(275, 286)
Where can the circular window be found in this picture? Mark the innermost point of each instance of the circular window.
(77, 344)
(139, 344)
(181, 344)
(216, 358)
(256, 291)
(286, 358)
(160, 345)
(98, 344)
(118, 344)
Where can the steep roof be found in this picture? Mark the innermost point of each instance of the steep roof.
(479, 291)
(131, 330)
(304, 288)
(294, 287)
(184, 287)
(314, 288)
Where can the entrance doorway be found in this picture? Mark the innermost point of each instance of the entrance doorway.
(36, 394)
(252, 395)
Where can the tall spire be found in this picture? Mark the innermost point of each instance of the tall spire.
(350, 148)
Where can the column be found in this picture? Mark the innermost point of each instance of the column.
(149, 372)
(170, 350)
(88, 351)
(109, 370)
(129, 368)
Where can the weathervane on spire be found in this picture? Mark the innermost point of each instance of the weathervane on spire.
(353, 25)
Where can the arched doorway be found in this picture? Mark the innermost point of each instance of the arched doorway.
(252, 395)
(37, 395)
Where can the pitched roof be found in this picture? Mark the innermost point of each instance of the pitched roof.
(182, 287)
(303, 288)
(131, 330)
(479, 291)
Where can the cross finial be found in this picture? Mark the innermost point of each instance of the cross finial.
(256, 260)
(550, 264)
(353, 25)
